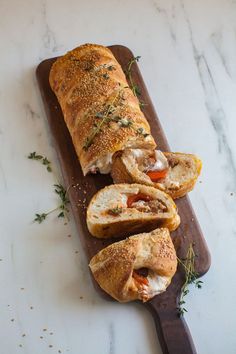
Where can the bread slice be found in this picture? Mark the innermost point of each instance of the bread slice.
(182, 170)
(123, 209)
(139, 267)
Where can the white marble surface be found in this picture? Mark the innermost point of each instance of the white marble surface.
(188, 61)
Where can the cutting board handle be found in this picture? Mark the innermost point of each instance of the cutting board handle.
(173, 333)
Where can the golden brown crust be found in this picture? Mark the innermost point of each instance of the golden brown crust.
(113, 266)
(125, 170)
(87, 81)
(130, 220)
(187, 162)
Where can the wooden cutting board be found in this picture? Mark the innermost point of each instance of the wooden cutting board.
(173, 333)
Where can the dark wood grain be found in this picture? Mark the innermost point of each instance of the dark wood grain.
(172, 330)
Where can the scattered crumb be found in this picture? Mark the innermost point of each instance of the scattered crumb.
(45, 329)
(23, 335)
(200, 181)
(50, 345)
(41, 337)
(81, 297)
(59, 351)
(68, 235)
(31, 307)
(22, 288)
(12, 320)
(230, 194)
(8, 305)
(76, 252)
(51, 333)
(0, 259)
(20, 345)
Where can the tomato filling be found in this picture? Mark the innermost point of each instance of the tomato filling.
(139, 278)
(157, 175)
(136, 197)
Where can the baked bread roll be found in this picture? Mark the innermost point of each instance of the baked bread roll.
(123, 209)
(100, 110)
(137, 268)
(175, 173)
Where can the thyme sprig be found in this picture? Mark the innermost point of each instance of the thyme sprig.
(34, 156)
(190, 278)
(62, 207)
(98, 126)
(106, 116)
(62, 193)
(134, 87)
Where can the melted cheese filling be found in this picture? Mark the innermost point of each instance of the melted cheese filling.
(157, 284)
(160, 164)
(103, 164)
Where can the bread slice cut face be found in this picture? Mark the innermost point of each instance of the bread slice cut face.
(124, 209)
(173, 172)
(137, 268)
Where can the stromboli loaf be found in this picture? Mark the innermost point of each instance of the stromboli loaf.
(123, 209)
(175, 173)
(101, 112)
(116, 268)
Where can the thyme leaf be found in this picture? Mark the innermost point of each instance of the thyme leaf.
(106, 76)
(35, 156)
(115, 211)
(40, 217)
(142, 132)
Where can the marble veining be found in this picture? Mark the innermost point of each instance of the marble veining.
(111, 339)
(30, 111)
(47, 300)
(166, 14)
(217, 42)
(214, 107)
(49, 39)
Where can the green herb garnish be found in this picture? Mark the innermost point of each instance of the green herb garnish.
(62, 193)
(115, 211)
(106, 116)
(142, 132)
(42, 159)
(40, 217)
(97, 128)
(191, 276)
(134, 87)
(62, 207)
(106, 76)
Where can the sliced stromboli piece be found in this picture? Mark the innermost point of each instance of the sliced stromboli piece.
(123, 209)
(139, 267)
(100, 110)
(174, 173)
